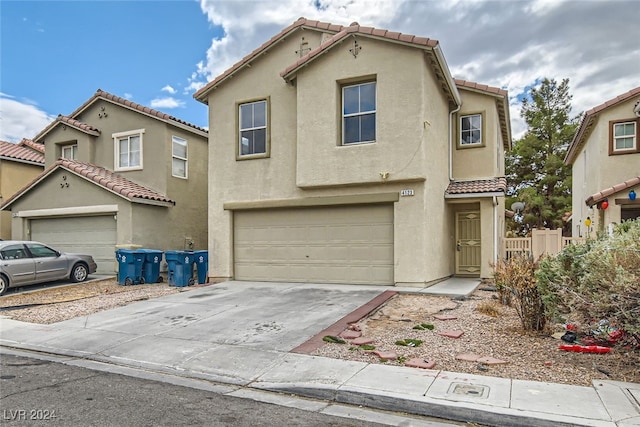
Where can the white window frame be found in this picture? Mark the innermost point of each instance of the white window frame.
(174, 156)
(116, 150)
(632, 136)
(266, 152)
(74, 151)
(461, 141)
(360, 113)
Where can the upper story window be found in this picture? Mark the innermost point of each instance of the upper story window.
(128, 150)
(624, 137)
(70, 152)
(253, 132)
(178, 157)
(471, 131)
(359, 113)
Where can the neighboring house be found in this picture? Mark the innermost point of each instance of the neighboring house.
(19, 164)
(117, 174)
(351, 155)
(605, 159)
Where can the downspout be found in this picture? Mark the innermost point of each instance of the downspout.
(495, 229)
(451, 113)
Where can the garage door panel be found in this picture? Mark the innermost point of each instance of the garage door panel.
(352, 244)
(94, 235)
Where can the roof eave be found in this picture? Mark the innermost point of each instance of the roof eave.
(474, 195)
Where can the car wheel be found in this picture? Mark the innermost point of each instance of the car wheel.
(4, 284)
(79, 273)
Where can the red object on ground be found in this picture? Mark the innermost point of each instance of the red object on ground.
(585, 348)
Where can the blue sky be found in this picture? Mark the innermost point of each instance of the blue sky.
(54, 55)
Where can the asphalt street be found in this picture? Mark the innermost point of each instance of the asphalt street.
(41, 392)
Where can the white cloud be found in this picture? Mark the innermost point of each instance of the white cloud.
(168, 89)
(20, 119)
(167, 102)
(127, 95)
(507, 44)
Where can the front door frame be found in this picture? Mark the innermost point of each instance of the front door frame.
(468, 247)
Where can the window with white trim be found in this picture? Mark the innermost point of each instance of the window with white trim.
(178, 157)
(128, 150)
(253, 132)
(359, 113)
(624, 136)
(471, 130)
(70, 152)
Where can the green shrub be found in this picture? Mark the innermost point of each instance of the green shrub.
(516, 284)
(596, 281)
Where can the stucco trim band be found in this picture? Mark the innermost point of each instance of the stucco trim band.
(77, 210)
(352, 199)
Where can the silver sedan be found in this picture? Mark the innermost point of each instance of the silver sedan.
(27, 263)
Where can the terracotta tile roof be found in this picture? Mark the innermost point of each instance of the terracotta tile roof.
(201, 95)
(354, 29)
(603, 194)
(20, 153)
(480, 87)
(67, 121)
(589, 120)
(33, 145)
(102, 177)
(492, 185)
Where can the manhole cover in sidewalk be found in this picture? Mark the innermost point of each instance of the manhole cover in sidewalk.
(469, 390)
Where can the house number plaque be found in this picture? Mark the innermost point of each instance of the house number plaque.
(405, 193)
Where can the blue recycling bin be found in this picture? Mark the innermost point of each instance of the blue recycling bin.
(180, 268)
(151, 265)
(201, 259)
(130, 266)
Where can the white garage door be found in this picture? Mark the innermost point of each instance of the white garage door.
(95, 235)
(351, 244)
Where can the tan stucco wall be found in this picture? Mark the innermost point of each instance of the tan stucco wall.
(13, 176)
(594, 170)
(483, 161)
(306, 159)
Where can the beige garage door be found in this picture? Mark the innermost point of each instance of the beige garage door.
(351, 244)
(95, 235)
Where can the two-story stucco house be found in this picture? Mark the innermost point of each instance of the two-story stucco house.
(117, 173)
(19, 164)
(350, 155)
(605, 159)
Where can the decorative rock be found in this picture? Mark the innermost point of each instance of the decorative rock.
(361, 341)
(451, 334)
(468, 357)
(349, 335)
(488, 360)
(420, 363)
(386, 355)
(444, 317)
(354, 327)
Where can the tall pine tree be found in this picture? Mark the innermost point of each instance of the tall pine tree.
(535, 169)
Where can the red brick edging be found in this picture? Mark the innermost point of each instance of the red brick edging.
(316, 342)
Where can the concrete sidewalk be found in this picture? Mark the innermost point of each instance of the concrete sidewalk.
(240, 334)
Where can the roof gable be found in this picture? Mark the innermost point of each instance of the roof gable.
(301, 23)
(340, 34)
(20, 153)
(590, 119)
(68, 121)
(123, 102)
(101, 177)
